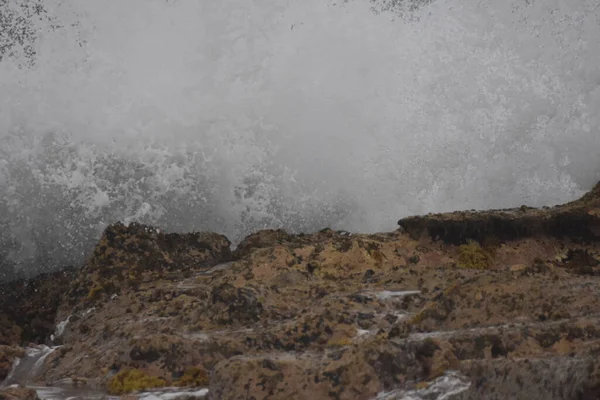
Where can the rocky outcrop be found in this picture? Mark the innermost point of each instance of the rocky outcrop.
(128, 256)
(578, 220)
(509, 311)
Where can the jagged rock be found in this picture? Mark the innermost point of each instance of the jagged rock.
(128, 256)
(139, 248)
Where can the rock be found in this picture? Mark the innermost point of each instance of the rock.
(241, 303)
(17, 393)
(534, 379)
(122, 246)
(10, 333)
(577, 220)
(331, 315)
(518, 267)
(344, 376)
(128, 256)
(436, 357)
(261, 239)
(28, 307)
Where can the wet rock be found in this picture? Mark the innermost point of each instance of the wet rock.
(328, 315)
(344, 376)
(535, 379)
(261, 239)
(580, 262)
(129, 256)
(241, 303)
(131, 246)
(28, 307)
(436, 357)
(399, 330)
(10, 333)
(17, 393)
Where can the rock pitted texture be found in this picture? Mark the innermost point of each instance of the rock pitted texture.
(511, 308)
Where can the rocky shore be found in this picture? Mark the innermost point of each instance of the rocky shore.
(468, 305)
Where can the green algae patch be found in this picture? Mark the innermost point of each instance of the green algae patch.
(473, 256)
(133, 380)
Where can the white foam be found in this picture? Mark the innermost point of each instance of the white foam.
(443, 388)
(60, 327)
(39, 363)
(362, 332)
(172, 395)
(386, 294)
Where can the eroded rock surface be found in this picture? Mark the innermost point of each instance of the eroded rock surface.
(505, 300)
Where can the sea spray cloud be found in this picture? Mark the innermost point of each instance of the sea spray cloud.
(234, 116)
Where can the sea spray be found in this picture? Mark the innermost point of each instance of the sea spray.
(235, 116)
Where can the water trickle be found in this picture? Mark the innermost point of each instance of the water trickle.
(27, 369)
(387, 294)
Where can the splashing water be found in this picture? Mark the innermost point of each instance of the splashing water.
(442, 388)
(237, 115)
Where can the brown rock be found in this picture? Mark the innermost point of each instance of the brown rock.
(10, 333)
(261, 239)
(332, 315)
(28, 307)
(17, 393)
(518, 267)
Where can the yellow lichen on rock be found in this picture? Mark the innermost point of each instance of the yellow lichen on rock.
(133, 380)
(95, 291)
(472, 255)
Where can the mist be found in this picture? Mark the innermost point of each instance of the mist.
(239, 115)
